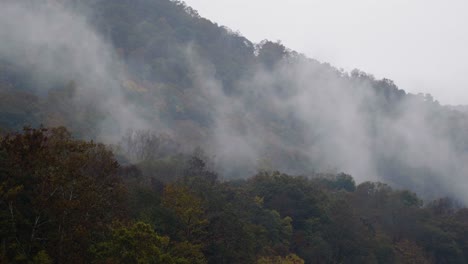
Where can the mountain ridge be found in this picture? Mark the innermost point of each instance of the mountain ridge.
(157, 65)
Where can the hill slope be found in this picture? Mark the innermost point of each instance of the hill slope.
(103, 68)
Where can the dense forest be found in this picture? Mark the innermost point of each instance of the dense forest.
(69, 201)
(136, 131)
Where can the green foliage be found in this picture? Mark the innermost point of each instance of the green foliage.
(296, 197)
(139, 243)
(42, 258)
(338, 182)
(188, 209)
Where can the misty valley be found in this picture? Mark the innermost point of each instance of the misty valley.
(137, 131)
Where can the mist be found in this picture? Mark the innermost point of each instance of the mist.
(418, 44)
(338, 123)
(297, 115)
(55, 45)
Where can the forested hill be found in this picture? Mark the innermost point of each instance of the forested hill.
(129, 72)
(64, 200)
(214, 149)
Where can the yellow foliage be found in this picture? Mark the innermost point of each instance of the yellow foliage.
(289, 259)
(187, 207)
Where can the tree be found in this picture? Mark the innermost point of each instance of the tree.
(188, 209)
(270, 53)
(56, 194)
(289, 259)
(137, 243)
(408, 252)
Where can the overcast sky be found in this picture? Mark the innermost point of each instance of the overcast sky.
(420, 44)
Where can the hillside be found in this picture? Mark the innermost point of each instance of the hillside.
(158, 66)
(214, 149)
(69, 201)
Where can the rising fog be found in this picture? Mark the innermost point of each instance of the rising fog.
(298, 115)
(337, 123)
(56, 45)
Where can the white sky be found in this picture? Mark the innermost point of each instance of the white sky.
(420, 44)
